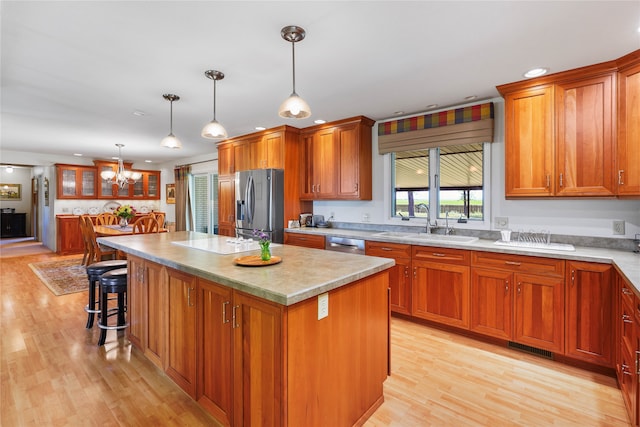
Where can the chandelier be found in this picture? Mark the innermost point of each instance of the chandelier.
(122, 177)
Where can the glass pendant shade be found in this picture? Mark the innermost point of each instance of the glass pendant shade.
(121, 177)
(294, 107)
(107, 175)
(214, 130)
(170, 141)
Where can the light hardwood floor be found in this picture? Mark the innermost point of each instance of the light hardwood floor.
(53, 374)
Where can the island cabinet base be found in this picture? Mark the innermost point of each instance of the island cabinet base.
(256, 362)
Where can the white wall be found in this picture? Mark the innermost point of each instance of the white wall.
(577, 217)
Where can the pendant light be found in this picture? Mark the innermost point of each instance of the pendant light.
(213, 129)
(122, 176)
(294, 107)
(170, 141)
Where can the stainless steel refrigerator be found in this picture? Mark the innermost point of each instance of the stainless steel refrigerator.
(260, 203)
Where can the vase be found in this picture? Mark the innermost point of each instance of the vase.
(265, 251)
(124, 222)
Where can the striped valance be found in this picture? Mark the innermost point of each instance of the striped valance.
(452, 127)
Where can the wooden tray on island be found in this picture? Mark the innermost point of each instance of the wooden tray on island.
(256, 261)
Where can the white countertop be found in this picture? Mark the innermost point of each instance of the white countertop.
(626, 262)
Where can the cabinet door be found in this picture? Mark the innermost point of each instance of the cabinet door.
(69, 236)
(589, 312)
(320, 168)
(492, 302)
(106, 189)
(76, 182)
(242, 156)
(257, 362)
(274, 143)
(440, 292)
(226, 205)
(349, 154)
(399, 275)
(629, 131)
(584, 139)
(156, 329)
(225, 159)
(539, 312)
(152, 186)
(304, 240)
(181, 345)
(626, 370)
(529, 142)
(214, 390)
(136, 304)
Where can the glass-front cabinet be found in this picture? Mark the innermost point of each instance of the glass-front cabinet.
(76, 182)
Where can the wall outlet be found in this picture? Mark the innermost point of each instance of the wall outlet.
(365, 217)
(618, 227)
(501, 223)
(323, 305)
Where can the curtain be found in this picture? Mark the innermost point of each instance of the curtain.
(464, 125)
(184, 210)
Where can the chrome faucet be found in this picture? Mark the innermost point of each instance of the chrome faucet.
(448, 230)
(429, 225)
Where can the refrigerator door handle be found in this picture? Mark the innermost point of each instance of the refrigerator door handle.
(250, 198)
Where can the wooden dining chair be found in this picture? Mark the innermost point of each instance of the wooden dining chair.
(97, 252)
(159, 216)
(106, 218)
(87, 256)
(146, 224)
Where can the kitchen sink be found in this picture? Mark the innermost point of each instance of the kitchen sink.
(443, 238)
(428, 237)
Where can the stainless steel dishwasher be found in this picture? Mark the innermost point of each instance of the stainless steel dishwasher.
(344, 244)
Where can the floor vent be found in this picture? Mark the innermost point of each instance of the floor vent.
(531, 350)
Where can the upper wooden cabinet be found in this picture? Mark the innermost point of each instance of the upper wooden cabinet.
(267, 152)
(628, 152)
(336, 160)
(560, 132)
(76, 182)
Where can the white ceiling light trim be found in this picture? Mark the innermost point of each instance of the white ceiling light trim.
(536, 72)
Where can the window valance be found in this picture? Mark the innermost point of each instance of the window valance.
(464, 125)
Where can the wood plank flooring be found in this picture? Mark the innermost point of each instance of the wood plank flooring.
(52, 373)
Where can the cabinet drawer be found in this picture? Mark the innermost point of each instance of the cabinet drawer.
(388, 250)
(306, 240)
(441, 255)
(529, 264)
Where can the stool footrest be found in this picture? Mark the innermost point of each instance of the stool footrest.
(112, 327)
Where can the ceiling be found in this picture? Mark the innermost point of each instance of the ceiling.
(74, 73)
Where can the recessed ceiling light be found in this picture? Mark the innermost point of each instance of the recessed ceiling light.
(77, 154)
(148, 161)
(397, 113)
(431, 106)
(536, 72)
(470, 97)
(139, 113)
(9, 169)
(319, 121)
(115, 158)
(260, 128)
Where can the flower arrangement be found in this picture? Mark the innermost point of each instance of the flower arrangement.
(264, 242)
(125, 211)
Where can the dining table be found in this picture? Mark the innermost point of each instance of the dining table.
(116, 230)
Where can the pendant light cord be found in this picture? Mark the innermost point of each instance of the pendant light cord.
(171, 118)
(214, 100)
(293, 54)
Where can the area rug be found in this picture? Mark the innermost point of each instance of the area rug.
(66, 276)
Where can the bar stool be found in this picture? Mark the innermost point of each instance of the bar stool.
(112, 282)
(94, 271)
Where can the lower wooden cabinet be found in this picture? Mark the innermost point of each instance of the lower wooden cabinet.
(628, 346)
(226, 205)
(399, 275)
(440, 285)
(313, 241)
(180, 364)
(68, 235)
(492, 302)
(589, 312)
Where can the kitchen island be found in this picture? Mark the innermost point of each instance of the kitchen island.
(300, 343)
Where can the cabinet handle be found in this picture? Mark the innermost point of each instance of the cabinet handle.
(627, 291)
(415, 272)
(189, 297)
(620, 174)
(519, 287)
(438, 254)
(548, 180)
(512, 263)
(561, 180)
(625, 369)
(386, 249)
(356, 189)
(637, 354)
(406, 272)
(506, 286)
(224, 312)
(573, 277)
(626, 318)
(234, 324)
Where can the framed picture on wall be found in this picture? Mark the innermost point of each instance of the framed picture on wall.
(171, 194)
(10, 191)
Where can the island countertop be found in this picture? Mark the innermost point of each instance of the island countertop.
(302, 274)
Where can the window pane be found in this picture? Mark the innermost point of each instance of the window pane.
(461, 181)
(411, 183)
(201, 198)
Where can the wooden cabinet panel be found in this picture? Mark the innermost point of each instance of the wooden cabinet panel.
(242, 156)
(214, 388)
(320, 164)
(492, 302)
(523, 263)
(181, 337)
(399, 275)
(539, 312)
(440, 255)
(225, 159)
(589, 312)
(267, 151)
(147, 187)
(584, 140)
(628, 152)
(258, 382)
(13, 224)
(68, 235)
(226, 205)
(76, 182)
(529, 142)
(354, 173)
(440, 292)
(312, 241)
(136, 302)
